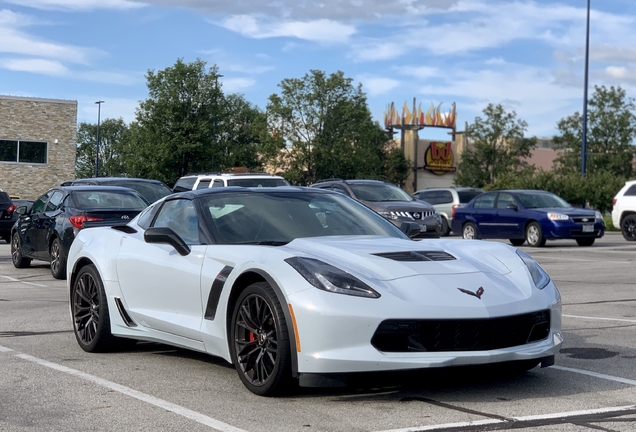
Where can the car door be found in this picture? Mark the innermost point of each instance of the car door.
(161, 288)
(32, 228)
(484, 213)
(510, 221)
(47, 221)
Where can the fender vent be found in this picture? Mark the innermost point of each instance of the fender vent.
(417, 256)
(124, 315)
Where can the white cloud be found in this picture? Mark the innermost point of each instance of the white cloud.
(234, 85)
(77, 4)
(38, 66)
(379, 51)
(375, 85)
(315, 31)
(420, 72)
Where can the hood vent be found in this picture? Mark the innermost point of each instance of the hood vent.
(417, 256)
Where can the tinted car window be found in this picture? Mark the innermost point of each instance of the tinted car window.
(149, 190)
(466, 196)
(342, 190)
(55, 201)
(631, 191)
(184, 184)
(108, 200)
(504, 200)
(266, 182)
(4, 198)
(485, 201)
(180, 216)
(146, 216)
(204, 184)
(218, 183)
(379, 192)
(39, 204)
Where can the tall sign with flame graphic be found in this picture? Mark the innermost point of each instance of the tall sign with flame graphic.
(434, 117)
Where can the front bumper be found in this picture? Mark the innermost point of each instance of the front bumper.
(571, 230)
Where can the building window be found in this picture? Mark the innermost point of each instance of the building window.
(32, 152)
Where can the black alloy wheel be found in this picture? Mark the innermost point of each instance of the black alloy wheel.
(260, 345)
(58, 259)
(16, 253)
(628, 227)
(91, 321)
(534, 235)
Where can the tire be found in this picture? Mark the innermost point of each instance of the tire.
(445, 228)
(469, 231)
(16, 253)
(58, 259)
(517, 242)
(585, 241)
(628, 227)
(89, 309)
(534, 235)
(259, 341)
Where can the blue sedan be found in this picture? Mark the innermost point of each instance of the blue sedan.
(531, 216)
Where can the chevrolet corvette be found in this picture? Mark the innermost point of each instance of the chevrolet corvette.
(300, 286)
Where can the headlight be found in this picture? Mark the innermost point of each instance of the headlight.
(558, 216)
(598, 215)
(393, 215)
(388, 215)
(539, 276)
(329, 278)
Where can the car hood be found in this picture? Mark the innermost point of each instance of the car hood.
(408, 206)
(386, 259)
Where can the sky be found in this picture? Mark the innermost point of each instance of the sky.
(528, 56)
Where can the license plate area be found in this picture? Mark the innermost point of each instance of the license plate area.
(588, 228)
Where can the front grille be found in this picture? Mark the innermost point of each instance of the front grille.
(581, 219)
(417, 256)
(421, 215)
(442, 335)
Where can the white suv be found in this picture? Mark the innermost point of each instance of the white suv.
(202, 181)
(624, 210)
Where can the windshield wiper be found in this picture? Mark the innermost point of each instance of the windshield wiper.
(265, 243)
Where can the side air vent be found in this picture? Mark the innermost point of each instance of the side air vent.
(124, 228)
(124, 315)
(417, 256)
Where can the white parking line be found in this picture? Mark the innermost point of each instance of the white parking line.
(168, 406)
(596, 375)
(5, 349)
(600, 318)
(24, 282)
(514, 419)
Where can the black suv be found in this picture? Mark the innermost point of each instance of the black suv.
(390, 202)
(151, 190)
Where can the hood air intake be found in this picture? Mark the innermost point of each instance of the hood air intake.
(417, 256)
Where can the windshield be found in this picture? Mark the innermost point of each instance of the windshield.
(149, 190)
(375, 192)
(278, 218)
(542, 200)
(256, 182)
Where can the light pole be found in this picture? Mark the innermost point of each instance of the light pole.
(585, 85)
(99, 108)
(216, 114)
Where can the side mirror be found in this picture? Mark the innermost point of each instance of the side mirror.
(411, 229)
(512, 207)
(22, 210)
(162, 235)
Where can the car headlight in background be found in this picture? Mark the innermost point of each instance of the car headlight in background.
(539, 276)
(329, 278)
(558, 216)
(598, 215)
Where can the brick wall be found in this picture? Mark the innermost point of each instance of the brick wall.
(46, 120)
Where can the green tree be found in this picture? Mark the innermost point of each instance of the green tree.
(113, 137)
(396, 166)
(499, 148)
(610, 137)
(324, 128)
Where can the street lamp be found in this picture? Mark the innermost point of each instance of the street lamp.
(585, 85)
(216, 114)
(99, 108)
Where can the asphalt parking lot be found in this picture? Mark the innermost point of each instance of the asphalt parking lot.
(47, 383)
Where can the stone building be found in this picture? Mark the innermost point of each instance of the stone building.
(37, 144)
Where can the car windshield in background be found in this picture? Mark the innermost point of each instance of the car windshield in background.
(379, 192)
(542, 200)
(108, 200)
(466, 196)
(278, 218)
(252, 182)
(150, 191)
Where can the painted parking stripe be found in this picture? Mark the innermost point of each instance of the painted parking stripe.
(600, 318)
(24, 282)
(532, 418)
(5, 349)
(168, 406)
(595, 375)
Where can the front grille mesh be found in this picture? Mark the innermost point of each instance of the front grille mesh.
(444, 335)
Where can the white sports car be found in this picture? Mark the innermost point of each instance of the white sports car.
(298, 285)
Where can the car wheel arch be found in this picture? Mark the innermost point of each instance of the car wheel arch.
(245, 279)
(626, 213)
(79, 265)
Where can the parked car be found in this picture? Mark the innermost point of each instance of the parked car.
(47, 230)
(300, 286)
(531, 216)
(445, 199)
(624, 210)
(214, 180)
(7, 208)
(151, 190)
(390, 202)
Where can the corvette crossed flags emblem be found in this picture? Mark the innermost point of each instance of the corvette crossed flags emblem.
(477, 293)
